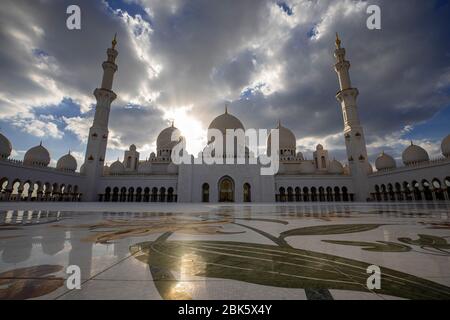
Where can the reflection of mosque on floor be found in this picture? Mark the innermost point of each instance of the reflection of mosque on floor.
(54, 241)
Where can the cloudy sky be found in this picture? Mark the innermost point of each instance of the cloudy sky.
(183, 60)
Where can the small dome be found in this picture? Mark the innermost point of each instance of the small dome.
(37, 156)
(336, 167)
(414, 154)
(445, 146)
(116, 168)
(308, 167)
(145, 167)
(83, 169)
(106, 170)
(5, 147)
(300, 156)
(319, 147)
(385, 162)
(132, 147)
(152, 155)
(168, 138)
(226, 121)
(67, 163)
(286, 139)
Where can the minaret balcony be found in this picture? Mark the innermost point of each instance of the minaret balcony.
(109, 65)
(343, 95)
(112, 53)
(104, 95)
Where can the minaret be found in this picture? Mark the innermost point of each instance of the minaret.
(98, 133)
(353, 131)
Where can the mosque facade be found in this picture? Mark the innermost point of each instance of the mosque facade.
(159, 179)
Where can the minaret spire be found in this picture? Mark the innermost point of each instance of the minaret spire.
(98, 133)
(353, 130)
(114, 41)
(338, 41)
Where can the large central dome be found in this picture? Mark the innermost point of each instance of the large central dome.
(223, 123)
(226, 121)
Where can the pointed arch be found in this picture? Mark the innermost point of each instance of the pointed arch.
(226, 189)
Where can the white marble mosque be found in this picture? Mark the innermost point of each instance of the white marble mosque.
(158, 179)
(121, 227)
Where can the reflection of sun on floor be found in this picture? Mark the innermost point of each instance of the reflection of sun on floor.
(190, 265)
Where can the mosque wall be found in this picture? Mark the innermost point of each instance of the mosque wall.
(195, 178)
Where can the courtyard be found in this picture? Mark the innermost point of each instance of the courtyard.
(212, 251)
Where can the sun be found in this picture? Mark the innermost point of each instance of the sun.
(190, 127)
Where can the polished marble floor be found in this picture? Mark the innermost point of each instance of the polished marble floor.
(179, 251)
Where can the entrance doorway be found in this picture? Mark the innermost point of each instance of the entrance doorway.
(226, 190)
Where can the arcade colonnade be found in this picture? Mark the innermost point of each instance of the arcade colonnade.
(138, 194)
(27, 190)
(314, 194)
(423, 190)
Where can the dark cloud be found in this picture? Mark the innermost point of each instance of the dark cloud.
(136, 125)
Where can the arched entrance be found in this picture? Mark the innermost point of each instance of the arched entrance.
(226, 190)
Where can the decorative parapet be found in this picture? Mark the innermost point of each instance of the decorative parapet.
(135, 174)
(315, 174)
(418, 165)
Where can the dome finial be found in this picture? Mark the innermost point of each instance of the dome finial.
(114, 42)
(279, 123)
(226, 107)
(412, 143)
(338, 41)
(40, 143)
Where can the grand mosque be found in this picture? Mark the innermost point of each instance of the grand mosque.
(159, 179)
